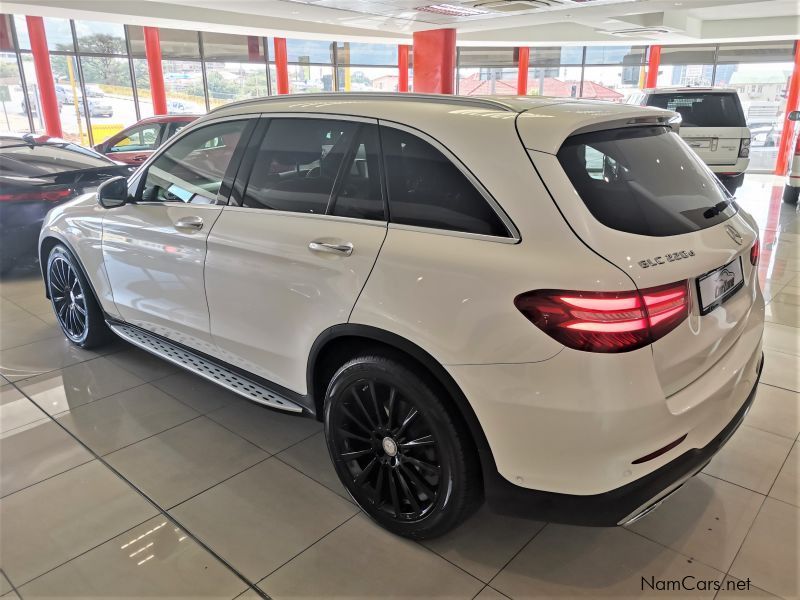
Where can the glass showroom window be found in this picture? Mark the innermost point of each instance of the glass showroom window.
(366, 67)
(686, 66)
(484, 71)
(612, 73)
(235, 67)
(106, 72)
(74, 124)
(180, 63)
(230, 81)
(12, 97)
(555, 71)
(310, 66)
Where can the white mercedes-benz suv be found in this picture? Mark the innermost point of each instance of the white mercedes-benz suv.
(538, 301)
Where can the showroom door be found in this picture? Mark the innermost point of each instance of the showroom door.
(154, 249)
(290, 259)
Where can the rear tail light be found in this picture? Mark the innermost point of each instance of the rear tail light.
(607, 321)
(755, 253)
(37, 196)
(744, 148)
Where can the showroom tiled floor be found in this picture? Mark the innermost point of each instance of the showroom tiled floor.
(121, 476)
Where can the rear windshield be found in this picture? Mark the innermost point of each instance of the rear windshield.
(702, 110)
(644, 181)
(41, 160)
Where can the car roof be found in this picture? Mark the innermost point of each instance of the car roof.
(688, 90)
(544, 122)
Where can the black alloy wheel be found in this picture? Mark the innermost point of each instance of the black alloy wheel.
(397, 450)
(68, 297)
(77, 311)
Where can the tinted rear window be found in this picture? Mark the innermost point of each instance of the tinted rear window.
(644, 181)
(702, 110)
(40, 160)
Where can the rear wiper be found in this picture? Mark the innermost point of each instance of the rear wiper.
(713, 211)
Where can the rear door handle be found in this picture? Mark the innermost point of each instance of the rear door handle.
(344, 249)
(189, 223)
(140, 157)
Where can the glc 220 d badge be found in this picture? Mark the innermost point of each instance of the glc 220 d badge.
(671, 257)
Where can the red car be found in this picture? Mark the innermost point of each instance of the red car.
(136, 143)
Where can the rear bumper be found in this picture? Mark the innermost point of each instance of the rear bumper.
(621, 505)
(733, 169)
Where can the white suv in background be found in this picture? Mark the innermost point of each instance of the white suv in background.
(712, 123)
(547, 300)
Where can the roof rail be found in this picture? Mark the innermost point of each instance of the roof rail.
(409, 97)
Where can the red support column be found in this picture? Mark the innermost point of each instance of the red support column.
(435, 61)
(792, 103)
(522, 70)
(652, 67)
(402, 65)
(44, 77)
(281, 66)
(152, 50)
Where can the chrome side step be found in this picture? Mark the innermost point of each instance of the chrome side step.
(203, 367)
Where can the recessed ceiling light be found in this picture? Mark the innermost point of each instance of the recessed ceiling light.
(452, 10)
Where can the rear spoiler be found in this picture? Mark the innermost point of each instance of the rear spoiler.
(673, 122)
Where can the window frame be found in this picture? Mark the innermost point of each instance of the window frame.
(242, 180)
(139, 178)
(131, 131)
(513, 235)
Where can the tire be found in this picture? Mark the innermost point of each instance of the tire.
(790, 194)
(413, 467)
(732, 183)
(77, 310)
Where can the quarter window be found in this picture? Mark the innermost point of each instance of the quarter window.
(427, 190)
(298, 164)
(139, 140)
(192, 169)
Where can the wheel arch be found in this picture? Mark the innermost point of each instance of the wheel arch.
(338, 343)
(46, 246)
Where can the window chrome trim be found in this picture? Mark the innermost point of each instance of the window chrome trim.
(455, 233)
(513, 233)
(317, 216)
(159, 150)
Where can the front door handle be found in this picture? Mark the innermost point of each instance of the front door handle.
(189, 223)
(344, 249)
(140, 158)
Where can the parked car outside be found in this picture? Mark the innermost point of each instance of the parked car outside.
(573, 320)
(133, 145)
(100, 108)
(791, 189)
(94, 91)
(37, 174)
(712, 123)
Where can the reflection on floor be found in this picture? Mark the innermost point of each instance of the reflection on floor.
(124, 477)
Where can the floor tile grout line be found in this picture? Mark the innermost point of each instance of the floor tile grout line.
(779, 387)
(306, 549)
(80, 362)
(480, 591)
(70, 559)
(159, 509)
(783, 464)
(510, 560)
(678, 552)
(65, 412)
(744, 539)
(30, 485)
(277, 457)
(218, 483)
(11, 583)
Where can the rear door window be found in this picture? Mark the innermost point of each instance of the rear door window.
(702, 110)
(644, 181)
(427, 190)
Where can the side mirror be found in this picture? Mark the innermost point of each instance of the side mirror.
(113, 193)
(794, 115)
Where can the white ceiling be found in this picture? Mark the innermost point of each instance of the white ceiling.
(482, 22)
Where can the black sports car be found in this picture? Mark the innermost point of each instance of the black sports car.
(37, 173)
